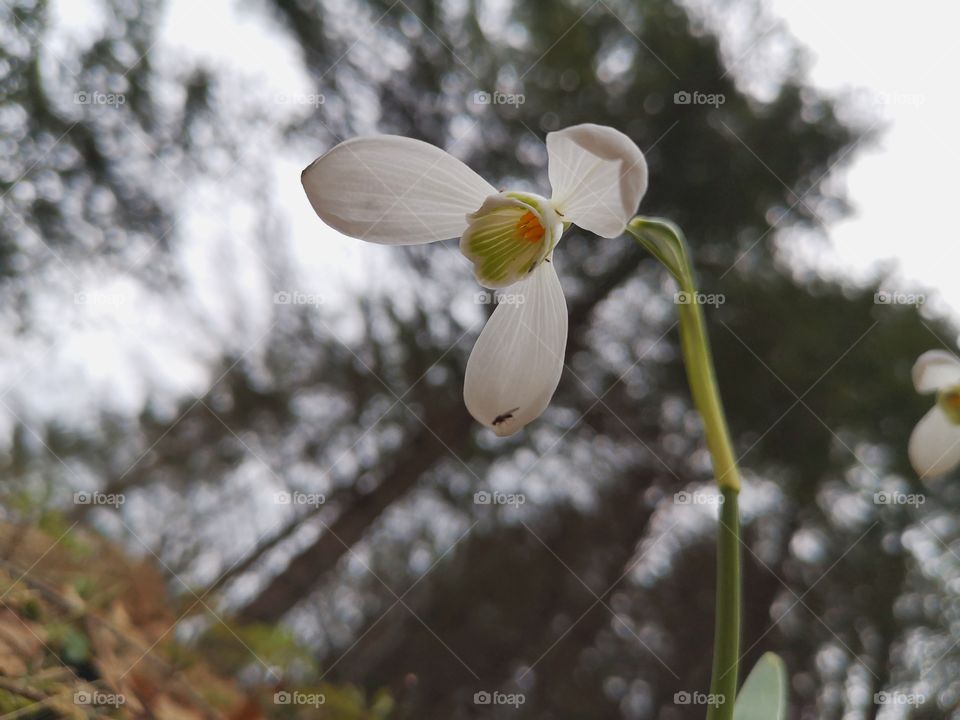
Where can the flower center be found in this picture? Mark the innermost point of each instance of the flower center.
(949, 402)
(508, 236)
(529, 228)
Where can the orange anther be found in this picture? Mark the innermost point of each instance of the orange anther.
(530, 228)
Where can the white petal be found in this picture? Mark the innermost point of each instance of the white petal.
(516, 364)
(936, 370)
(393, 190)
(598, 176)
(934, 445)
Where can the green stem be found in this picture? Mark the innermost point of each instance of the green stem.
(666, 242)
(726, 633)
(703, 386)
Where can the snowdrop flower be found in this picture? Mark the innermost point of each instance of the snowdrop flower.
(935, 442)
(400, 191)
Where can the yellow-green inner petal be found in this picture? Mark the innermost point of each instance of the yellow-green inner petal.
(949, 401)
(506, 239)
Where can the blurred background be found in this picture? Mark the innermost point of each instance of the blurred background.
(238, 475)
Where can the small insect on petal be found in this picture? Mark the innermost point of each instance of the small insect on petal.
(502, 418)
(516, 364)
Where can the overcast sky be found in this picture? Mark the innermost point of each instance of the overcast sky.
(903, 60)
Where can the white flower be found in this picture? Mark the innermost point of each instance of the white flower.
(399, 191)
(935, 442)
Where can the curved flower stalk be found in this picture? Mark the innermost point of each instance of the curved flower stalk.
(666, 242)
(399, 191)
(763, 695)
(935, 442)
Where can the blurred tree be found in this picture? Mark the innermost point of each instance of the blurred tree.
(594, 597)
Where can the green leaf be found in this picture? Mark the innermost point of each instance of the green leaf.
(73, 644)
(764, 693)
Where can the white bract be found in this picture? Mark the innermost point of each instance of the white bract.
(399, 191)
(935, 442)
